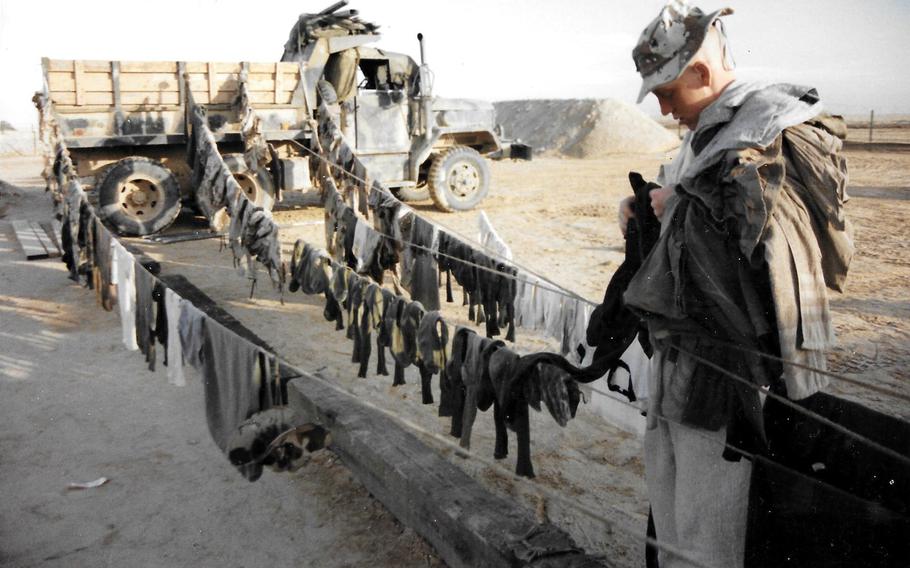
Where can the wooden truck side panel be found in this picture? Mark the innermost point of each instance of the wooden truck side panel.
(97, 99)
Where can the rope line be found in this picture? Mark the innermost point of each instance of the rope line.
(805, 411)
(492, 253)
(572, 295)
(877, 388)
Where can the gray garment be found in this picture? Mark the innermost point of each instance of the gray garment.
(145, 315)
(698, 499)
(424, 275)
(471, 375)
(174, 306)
(553, 320)
(192, 330)
(232, 381)
(366, 240)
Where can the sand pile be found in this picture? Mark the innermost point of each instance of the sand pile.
(583, 128)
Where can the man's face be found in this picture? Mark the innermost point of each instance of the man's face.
(685, 97)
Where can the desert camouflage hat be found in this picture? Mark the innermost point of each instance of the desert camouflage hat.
(668, 43)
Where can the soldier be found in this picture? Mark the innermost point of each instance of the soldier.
(752, 233)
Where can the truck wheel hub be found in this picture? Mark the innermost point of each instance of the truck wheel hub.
(140, 197)
(249, 186)
(464, 179)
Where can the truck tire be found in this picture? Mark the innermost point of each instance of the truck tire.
(259, 187)
(420, 193)
(459, 179)
(138, 196)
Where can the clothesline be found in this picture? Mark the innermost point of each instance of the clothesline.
(832, 374)
(792, 405)
(799, 409)
(491, 252)
(561, 291)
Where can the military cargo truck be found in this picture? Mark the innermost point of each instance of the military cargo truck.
(125, 122)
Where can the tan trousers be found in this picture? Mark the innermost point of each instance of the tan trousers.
(699, 500)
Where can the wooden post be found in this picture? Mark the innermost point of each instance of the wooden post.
(115, 88)
(277, 82)
(871, 124)
(213, 89)
(77, 79)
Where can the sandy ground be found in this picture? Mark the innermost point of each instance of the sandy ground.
(559, 217)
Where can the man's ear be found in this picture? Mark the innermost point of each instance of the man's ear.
(702, 72)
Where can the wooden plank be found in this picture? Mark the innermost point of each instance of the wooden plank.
(118, 102)
(149, 82)
(90, 81)
(53, 228)
(213, 90)
(127, 99)
(148, 67)
(181, 84)
(29, 241)
(98, 66)
(49, 244)
(77, 80)
(255, 82)
(466, 524)
(277, 84)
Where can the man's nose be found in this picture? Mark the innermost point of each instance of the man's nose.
(665, 107)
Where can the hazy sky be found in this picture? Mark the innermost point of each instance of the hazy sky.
(857, 53)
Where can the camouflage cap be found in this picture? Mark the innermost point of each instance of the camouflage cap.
(668, 43)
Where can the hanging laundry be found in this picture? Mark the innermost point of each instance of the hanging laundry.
(371, 319)
(173, 307)
(365, 245)
(347, 233)
(490, 239)
(404, 339)
(424, 282)
(160, 327)
(124, 276)
(103, 268)
(510, 394)
(432, 345)
(254, 235)
(145, 315)
(390, 302)
(231, 379)
(455, 393)
(353, 304)
(529, 307)
(84, 238)
(472, 375)
(191, 330)
(72, 205)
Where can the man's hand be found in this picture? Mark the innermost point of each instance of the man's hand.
(625, 213)
(659, 200)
